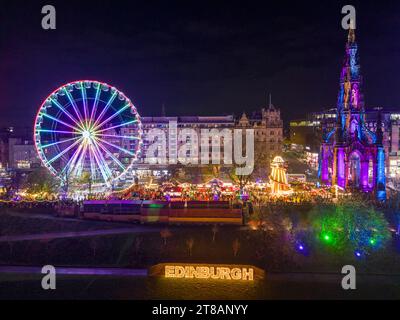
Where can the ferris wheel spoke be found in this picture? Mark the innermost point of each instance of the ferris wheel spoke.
(55, 131)
(64, 151)
(103, 112)
(117, 147)
(103, 160)
(101, 167)
(74, 105)
(59, 142)
(119, 163)
(92, 166)
(85, 103)
(127, 106)
(95, 104)
(60, 121)
(71, 162)
(117, 136)
(59, 106)
(118, 126)
(81, 161)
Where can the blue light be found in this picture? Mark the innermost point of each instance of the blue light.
(301, 248)
(381, 178)
(358, 253)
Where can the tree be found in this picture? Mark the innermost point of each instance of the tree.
(211, 171)
(86, 179)
(165, 234)
(235, 247)
(214, 230)
(138, 244)
(261, 163)
(135, 253)
(351, 225)
(93, 246)
(41, 181)
(190, 244)
(241, 180)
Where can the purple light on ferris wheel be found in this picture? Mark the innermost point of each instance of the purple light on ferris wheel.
(88, 127)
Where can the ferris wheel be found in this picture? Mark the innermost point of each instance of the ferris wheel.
(88, 128)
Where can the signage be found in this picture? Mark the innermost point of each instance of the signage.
(208, 272)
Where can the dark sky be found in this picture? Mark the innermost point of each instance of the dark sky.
(197, 57)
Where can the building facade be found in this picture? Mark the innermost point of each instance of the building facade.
(18, 151)
(268, 133)
(22, 154)
(306, 135)
(390, 119)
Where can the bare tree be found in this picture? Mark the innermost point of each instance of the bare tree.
(165, 234)
(93, 246)
(189, 244)
(138, 244)
(214, 230)
(235, 247)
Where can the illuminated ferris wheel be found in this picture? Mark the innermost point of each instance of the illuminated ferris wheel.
(88, 129)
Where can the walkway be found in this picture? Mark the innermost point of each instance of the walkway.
(78, 234)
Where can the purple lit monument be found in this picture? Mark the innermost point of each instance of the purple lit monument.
(352, 156)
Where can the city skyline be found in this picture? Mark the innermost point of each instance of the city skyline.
(196, 59)
(144, 153)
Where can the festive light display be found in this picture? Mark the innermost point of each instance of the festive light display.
(88, 127)
(352, 156)
(350, 226)
(358, 253)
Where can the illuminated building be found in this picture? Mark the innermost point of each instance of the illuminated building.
(352, 155)
(390, 119)
(268, 130)
(267, 125)
(5, 134)
(305, 135)
(22, 154)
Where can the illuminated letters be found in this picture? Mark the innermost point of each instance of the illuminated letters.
(206, 272)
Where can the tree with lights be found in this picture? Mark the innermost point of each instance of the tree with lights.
(41, 181)
(351, 226)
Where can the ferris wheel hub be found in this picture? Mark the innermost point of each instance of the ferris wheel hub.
(87, 134)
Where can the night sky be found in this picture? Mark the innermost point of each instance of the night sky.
(196, 57)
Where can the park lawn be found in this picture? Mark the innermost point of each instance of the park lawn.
(11, 224)
(147, 249)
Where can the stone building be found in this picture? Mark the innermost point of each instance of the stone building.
(268, 133)
(352, 155)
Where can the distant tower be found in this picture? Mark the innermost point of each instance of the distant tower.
(352, 156)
